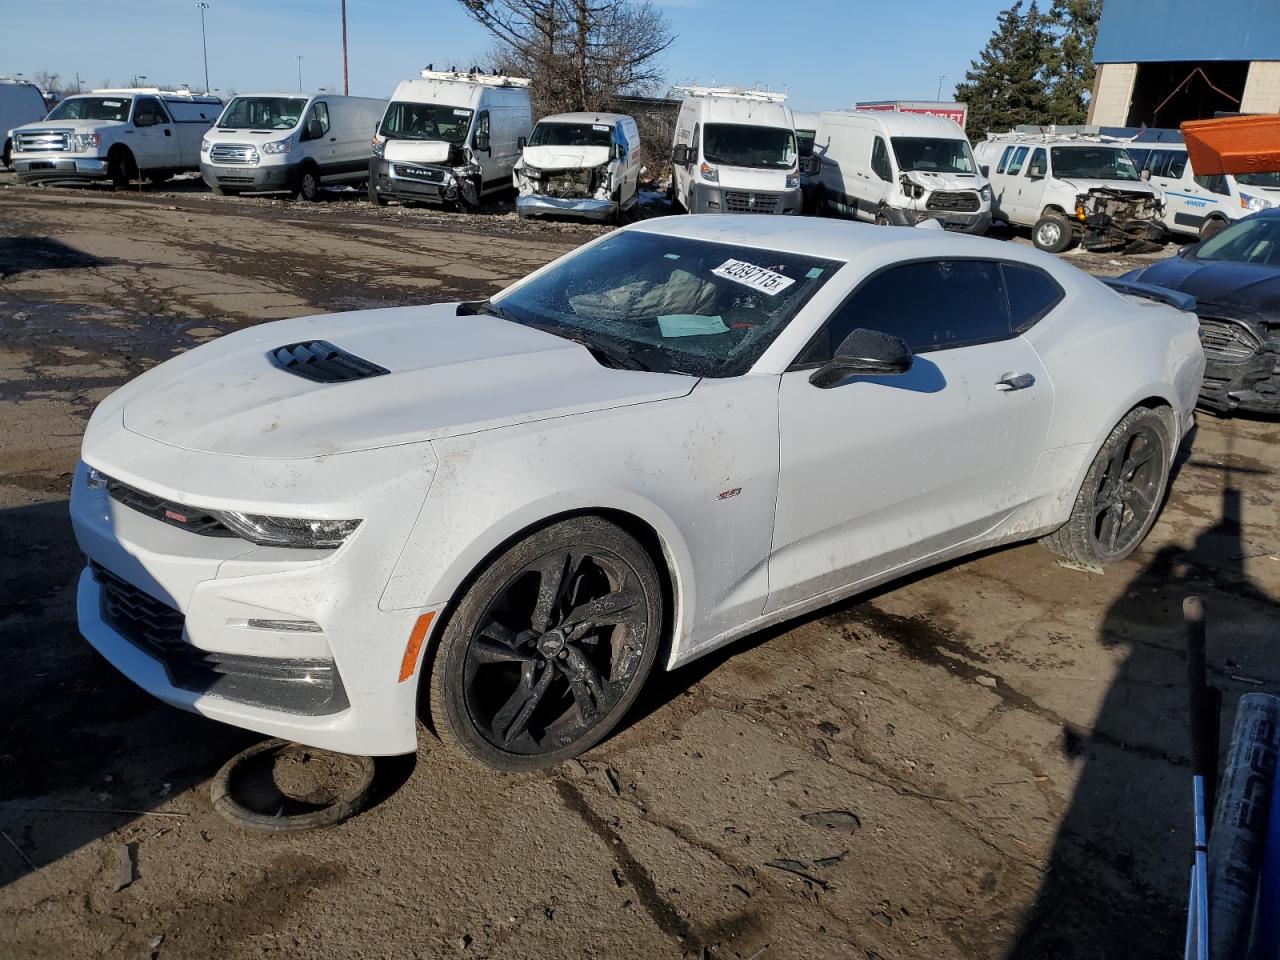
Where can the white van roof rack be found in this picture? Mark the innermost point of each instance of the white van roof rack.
(488, 79)
(1069, 135)
(183, 94)
(739, 93)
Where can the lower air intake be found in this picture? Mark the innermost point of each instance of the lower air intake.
(322, 362)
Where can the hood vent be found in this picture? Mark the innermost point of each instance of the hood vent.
(322, 362)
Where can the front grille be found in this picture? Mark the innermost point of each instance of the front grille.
(140, 617)
(322, 362)
(735, 202)
(961, 201)
(192, 519)
(241, 153)
(1225, 341)
(42, 141)
(412, 172)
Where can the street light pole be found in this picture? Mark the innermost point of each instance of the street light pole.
(346, 89)
(204, 43)
(938, 95)
(299, 59)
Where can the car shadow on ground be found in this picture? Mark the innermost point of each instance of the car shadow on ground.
(27, 254)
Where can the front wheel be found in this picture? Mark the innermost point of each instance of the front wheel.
(1121, 494)
(1052, 232)
(377, 199)
(1210, 227)
(549, 647)
(309, 184)
(121, 169)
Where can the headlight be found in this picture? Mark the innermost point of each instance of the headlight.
(87, 141)
(379, 147)
(533, 173)
(96, 479)
(709, 173)
(278, 146)
(793, 180)
(205, 145)
(288, 531)
(1250, 202)
(985, 192)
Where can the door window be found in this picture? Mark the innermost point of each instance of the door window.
(931, 304)
(1032, 294)
(1039, 165)
(1215, 184)
(148, 113)
(880, 160)
(1015, 163)
(482, 128)
(1004, 159)
(1167, 163)
(320, 111)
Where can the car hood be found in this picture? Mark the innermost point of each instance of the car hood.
(445, 375)
(1245, 291)
(418, 151)
(752, 178)
(946, 181)
(75, 126)
(565, 158)
(247, 135)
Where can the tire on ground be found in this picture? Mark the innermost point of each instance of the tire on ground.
(1052, 232)
(1211, 226)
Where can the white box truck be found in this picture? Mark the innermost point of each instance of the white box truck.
(450, 137)
(898, 168)
(117, 135)
(735, 152)
(289, 142)
(20, 102)
(580, 165)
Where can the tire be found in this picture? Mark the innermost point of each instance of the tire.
(1114, 492)
(309, 183)
(1053, 232)
(516, 682)
(377, 199)
(7, 156)
(121, 168)
(1210, 227)
(881, 220)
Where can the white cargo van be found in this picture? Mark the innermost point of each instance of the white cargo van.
(20, 102)
(580, 164)
(735, 152)
(1200, 206)
(116, 135)
(450, 137)
(289, 142)
(1069, 187)
(899, 168)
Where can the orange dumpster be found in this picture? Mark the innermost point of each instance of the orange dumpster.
(1234, 144)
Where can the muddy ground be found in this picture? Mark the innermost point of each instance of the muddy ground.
(987, 761)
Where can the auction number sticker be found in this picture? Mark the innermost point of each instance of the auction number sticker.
(748, 274)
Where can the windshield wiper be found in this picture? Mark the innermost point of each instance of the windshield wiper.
(469, 308)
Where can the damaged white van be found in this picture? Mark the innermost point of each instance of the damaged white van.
(450, 137)
(580, 164)
(899, 169)
(735, 152)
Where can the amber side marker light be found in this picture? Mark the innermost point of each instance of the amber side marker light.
(411, 649)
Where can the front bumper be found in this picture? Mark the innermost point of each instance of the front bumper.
(533, 205)
(1247, 381)
(1100, 231)
(977, 222)
(714, 198)
(250, 178)
(413, 181)
(48, 168)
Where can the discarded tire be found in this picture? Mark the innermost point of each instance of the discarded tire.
(279, 787)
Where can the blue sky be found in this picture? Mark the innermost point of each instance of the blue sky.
(829, 52)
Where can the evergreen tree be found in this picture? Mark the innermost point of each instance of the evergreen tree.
(1070, 66)
(1006, 86)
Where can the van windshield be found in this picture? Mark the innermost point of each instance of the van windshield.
(1271, 180)
(571, 135)
(1093, 163)
(262, 113)
(425, 121)
(933, 155)
(92, 108)
(745, 145)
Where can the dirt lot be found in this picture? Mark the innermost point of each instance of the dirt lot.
(988, 761)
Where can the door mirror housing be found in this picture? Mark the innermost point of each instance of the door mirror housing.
(680, 155)
(811, 166)
(1036, 172)
(315, 129)
(144, 120)
(1145, 174)
(377, 126)
(867, 353)
(985, 170)
(482, 143)
(1189, 250)
(522, 142)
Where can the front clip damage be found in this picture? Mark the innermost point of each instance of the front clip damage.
(1112, 217)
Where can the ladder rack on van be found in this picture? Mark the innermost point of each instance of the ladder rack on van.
(487, 79)
(1051, 136)
(156, 91)
(737, 93)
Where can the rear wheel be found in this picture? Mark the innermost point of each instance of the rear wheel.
(1052, 232)
(549, 647)
(1121, 494)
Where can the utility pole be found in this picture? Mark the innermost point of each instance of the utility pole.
(204, 43)
(346, 89)
(299, 58)
(938, 95)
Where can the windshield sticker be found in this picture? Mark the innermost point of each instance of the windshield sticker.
(111, 103)
(600, 126)
(749, 275)
(462, 113)
(672, 256)
(690, 325)
(813, 274)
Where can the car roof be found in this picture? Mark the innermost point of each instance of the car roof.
(905, 124)
(585, 118)
(833, 239)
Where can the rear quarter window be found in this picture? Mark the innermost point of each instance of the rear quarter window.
(1032, 294)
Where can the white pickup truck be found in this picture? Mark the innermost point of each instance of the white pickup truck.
(116, 135)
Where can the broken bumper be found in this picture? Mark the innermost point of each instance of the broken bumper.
(976, 223)
(1242, 371)
(36, 170)
(535, 206)
(412, 181)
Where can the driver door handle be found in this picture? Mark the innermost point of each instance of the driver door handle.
(1015, 381)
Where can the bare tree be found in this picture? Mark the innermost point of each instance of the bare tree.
(580, 54)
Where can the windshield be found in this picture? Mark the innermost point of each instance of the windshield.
(672, 304)
(804, 142)
(262, 113)
(1093, 163)
(92, 108)
(1255, 240)
(1271, 180)
(933, 155)
(425, 121)
(571, 135)
(745, 145)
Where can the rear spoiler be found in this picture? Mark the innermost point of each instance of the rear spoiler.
(1149, 291)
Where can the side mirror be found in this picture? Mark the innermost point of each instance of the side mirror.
(1036, 172)
(867, 353)
(811, 166)
(1187, 251)
(377, 125)
(680, 155)
(985, 170)
(144, 120)
(522, 142)
(1145, 175)
(315, 129)
(482, 143)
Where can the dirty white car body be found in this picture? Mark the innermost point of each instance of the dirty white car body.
(763, 495)
(580, 164)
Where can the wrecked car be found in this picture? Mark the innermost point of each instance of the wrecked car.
(1069, 189)
(581, 165)
(450, 137)
(1235, 277)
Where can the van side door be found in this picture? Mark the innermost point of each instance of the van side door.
(876, 186)
(1032, 183)
(318, 140)
(153, 137)
(1011, 200)
(488, 152)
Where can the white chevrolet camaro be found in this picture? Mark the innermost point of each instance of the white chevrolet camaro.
(505, 513)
